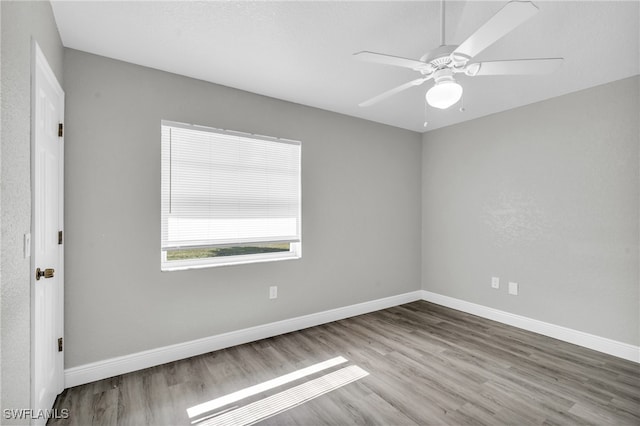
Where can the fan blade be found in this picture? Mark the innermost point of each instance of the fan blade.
(507, 19)
(519, 66)
(393, 91)
(380, 58)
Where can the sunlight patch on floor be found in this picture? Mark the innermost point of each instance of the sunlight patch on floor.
(285, 400)
(261, 387)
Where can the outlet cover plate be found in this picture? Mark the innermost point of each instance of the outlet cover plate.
(273, 292)
(513, 288)
(495, 282)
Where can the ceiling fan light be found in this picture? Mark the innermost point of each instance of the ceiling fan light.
(444, 94)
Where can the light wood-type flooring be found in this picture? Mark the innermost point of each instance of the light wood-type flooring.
(427, 365)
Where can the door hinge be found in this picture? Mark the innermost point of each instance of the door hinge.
(59, 237)
(60, 130)
(60, 344)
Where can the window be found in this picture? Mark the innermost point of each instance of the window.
(227, 197)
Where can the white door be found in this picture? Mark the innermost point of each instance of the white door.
(47, 185)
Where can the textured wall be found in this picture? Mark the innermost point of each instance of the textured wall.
(547, 196)
(21, 21)
(361, 210)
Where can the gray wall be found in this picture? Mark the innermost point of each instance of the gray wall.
(545, 195)
(21, 21)
(1, 405)
(361, 210)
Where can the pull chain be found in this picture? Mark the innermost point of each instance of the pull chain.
(426, 123)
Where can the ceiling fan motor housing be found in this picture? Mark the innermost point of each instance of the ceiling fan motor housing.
(442, 58)
(439, 58)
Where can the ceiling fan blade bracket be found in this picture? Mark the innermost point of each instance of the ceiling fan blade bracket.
(472, 69)
(459, 59)
(427, 71)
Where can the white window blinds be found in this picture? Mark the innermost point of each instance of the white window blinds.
(221, 188)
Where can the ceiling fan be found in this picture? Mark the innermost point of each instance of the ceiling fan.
(443, 63)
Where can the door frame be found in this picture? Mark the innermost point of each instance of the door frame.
(39, 61)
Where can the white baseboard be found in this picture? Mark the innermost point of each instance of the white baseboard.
(601, 344)
(124, 364)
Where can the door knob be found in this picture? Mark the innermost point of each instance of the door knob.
(47, 273)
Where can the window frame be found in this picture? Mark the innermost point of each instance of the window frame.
(295, 250)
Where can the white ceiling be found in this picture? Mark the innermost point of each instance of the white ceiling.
(302, 51)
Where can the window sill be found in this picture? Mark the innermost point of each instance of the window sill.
(212, 262)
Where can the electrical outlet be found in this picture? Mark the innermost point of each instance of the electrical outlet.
(513, 288)
(273, 292)
(495, 282)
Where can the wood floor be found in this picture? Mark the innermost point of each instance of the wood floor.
(427, 365)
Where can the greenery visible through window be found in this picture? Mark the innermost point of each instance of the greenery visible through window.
(203, 253)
